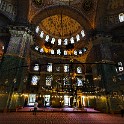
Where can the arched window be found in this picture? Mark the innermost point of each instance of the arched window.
(121, 17)
(34, 80)
(41, 34)
(59, 41)
(58, 68)
(82, 33)
(58, 52)
(36, 67)
(49, 67)
(53, 41)
(75, 52)
(79, 82)
(65, 42)
(41, 50)
(79, 70)
(120, 67)
(84, 49)
(65, 52)
(37, 29)
(36, 48)
(66, 68)
(80, 51)
(78, 37)
(49, 80)
(66, 80)
(52, 51)
(47, 38)
(72, 40)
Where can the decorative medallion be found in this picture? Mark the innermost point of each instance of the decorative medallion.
(87, 5)
(38, 2)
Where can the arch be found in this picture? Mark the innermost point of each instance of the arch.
(62, 9)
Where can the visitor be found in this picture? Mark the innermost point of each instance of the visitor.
(35, 107)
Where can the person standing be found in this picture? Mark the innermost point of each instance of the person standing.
(35, 107)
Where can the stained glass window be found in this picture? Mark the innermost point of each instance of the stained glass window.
(79, 70)
(66, 80)
(79, 82)
(53, 41)
(120, 66)
(58, 52)
(49, 80)
(75, 52)
(72, 40)
(66, 68)
(36, 67)
(34, 80)
(36, 48)
(49, 67)
(65, 52)
(65, 42)
(59, 41)
(37, 29)
(52, 51)
(47, 38)
(121, 17)
(84, 49)
(41, 34)
(41, 50)
(57, 68)
(78, 37)
(82, 33)
(80, 51)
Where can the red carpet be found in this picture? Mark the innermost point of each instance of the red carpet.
(59, 118)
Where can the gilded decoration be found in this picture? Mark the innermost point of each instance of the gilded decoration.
(60, 26)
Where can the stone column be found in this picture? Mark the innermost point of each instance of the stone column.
(15, 66)
(104, 71)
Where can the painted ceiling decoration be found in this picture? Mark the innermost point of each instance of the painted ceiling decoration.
(60, 26)
(50, 2)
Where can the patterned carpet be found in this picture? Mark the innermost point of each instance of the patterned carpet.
(91, 110)
(59, 118)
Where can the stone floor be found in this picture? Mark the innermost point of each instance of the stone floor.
(59, 118)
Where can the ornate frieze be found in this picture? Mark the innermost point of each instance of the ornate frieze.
(19, 42)
(8, 9)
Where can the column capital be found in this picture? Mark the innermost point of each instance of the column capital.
(20, 30)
